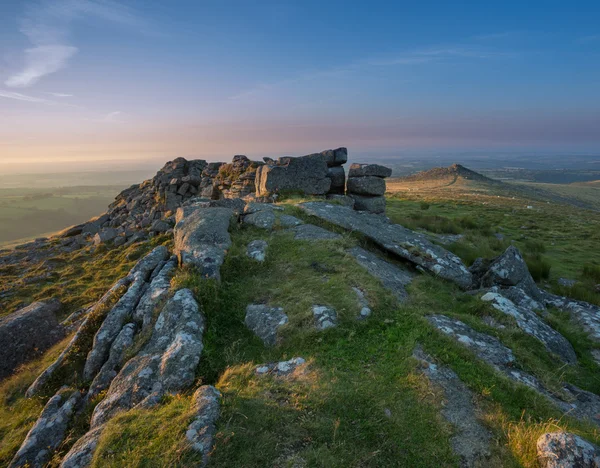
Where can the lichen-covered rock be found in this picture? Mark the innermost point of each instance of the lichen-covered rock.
(530, 323)
(343, 200)
(366, 170)
(202, 238)
(105, 235)
(325, 317)
(396, 239)
(201, 432)
(306, 174)
(289, 221)
(392, 277)
(82, 452)
(48, 432)
(27, 333)
(372, 204)
(510, 269)
(257, 250)
(369, 185)
(363, 303)
(264, 321)
(338, 179)
(280, 369)
(166, 364)
(312, 232)
(471, 440)
(566, 450)
(264, 219)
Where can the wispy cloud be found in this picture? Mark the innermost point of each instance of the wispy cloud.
(407, 58)
(47, 24)
(112, 117)
(60, 95)
(28, 98)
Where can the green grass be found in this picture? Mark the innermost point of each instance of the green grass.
(361, 400)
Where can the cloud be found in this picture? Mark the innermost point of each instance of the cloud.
(28, 98)
(60, 95)
(47, 24)
(112, 117)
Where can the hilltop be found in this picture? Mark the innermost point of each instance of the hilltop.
(285, 313)
(455, 171)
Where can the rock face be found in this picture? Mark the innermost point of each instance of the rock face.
(166, 364)
(48, 432)
(265, 321)
(533, 325)
(306, 174)
(27, 333)
(393, 278)
(396, 239)
(366, 185)
(565, 450)
(201, 431)
(471, 441)
(202, 238)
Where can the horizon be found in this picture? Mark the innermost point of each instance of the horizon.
(88, 82)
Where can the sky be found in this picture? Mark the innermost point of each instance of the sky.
(90, 83)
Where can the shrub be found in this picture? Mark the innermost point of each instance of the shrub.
(591, 271)
(538, 266)
(424, 205)
(535, 247)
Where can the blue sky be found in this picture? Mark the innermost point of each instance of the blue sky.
(87, 80)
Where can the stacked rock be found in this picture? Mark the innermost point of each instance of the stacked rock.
(366, 185)
(335, 160)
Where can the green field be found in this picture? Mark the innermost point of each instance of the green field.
(27, 213)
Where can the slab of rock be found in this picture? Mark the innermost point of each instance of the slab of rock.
(396, 239)
(82, 452)
(566, 450)
(201, 432)
(264, 219)
(280, 369)
(366, 185)
(577, 403)
(325, 317)
(471, 439)
(530, 323)
(105, 235)
(48, 432)
(257, 250)
(367, 203)
(393, 278)
(585, 314)
(343, 200)
(265, 321)
(363, 303)
(306, 174)
(366, 170)
(122, 312)
(27, 333)
(335, 157)
(289, 221)
(202, 238)
(338, 179)
(312, 232)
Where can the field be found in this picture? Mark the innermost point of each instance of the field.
(29, 213)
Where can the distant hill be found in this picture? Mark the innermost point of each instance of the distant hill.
(440, 173)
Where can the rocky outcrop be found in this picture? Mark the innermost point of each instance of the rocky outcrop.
(471, 440)
(392, 277)
(48, 432)
(366, 185)
(265, 321)
(307, 175)
(201, 432)
(325, 317)
(202, 238)
(530, 323)
(574, 401)
(166, 364)
(396, 239)
(261, 215)
(566, 450)
(27, 333)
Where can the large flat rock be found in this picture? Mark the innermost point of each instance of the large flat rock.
(396, 239)
(202, 238)
(393, 278)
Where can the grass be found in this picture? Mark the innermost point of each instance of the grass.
(362, 400)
